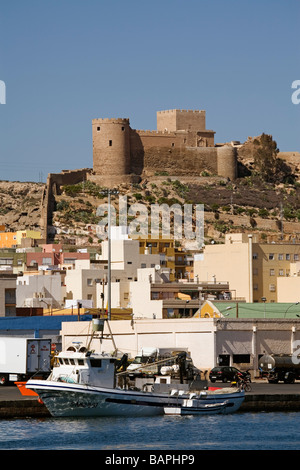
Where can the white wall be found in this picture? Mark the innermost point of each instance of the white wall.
(48, 285)
(205, 338)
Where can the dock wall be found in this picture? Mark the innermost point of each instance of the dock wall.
(253, 403)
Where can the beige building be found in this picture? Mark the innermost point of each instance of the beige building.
(254, 270)
(288, 288)
(7, 294)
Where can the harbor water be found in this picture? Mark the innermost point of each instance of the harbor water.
(239, 431)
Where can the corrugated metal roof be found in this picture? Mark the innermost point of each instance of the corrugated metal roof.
(258, 310)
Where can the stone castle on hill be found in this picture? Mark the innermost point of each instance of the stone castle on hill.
(180, 146)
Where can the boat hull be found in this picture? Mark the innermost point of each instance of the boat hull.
(63, 399)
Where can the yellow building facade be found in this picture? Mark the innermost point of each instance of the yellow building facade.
(13, 239)
(8, 239)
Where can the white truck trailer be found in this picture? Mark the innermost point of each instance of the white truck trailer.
(21, 358)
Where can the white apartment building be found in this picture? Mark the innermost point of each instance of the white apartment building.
(88, 280)
(43, 290)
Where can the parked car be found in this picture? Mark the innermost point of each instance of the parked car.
(225, 373)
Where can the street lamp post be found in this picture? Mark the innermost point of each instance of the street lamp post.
(109, 192)
(264, 301)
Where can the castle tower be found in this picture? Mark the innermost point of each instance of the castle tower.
(227, 162)
(111, 150)
(181, 119)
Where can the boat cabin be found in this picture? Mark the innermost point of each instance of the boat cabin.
(82, 367)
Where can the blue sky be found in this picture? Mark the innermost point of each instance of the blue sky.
(66, 62)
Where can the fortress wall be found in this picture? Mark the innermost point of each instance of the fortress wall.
(157, 139)
(54, 181)
(180, 161)
(174, 139)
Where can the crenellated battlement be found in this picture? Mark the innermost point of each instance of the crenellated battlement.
(193, 111)
(111, 121)
(160, 133)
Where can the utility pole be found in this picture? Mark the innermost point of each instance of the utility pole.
(109, 192)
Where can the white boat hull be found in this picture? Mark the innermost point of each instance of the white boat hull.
(64, 399)
(197, 409)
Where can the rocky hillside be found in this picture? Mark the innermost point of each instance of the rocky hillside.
(270, 209)
(247, 205)
(20, 205)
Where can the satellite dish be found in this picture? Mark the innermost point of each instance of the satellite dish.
(157, 267)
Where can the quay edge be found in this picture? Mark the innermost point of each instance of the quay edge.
(252, 403)
(272, 402)
(23, 409)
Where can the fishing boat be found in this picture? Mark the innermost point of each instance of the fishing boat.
(85, 383)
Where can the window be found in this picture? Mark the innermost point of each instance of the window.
(272, 272)
(287, 256)
(47, 261)
(271, 256)
(255, 256)
(296, 257)
(281, 272)
(143, 265)
(110, 143)
(241, 358)
(6, 261)
(255, 271)
(90, 282)
(123, 128)
(96, 362)
(272, 288)
(98, 129)
(255, 286)
(154, 295)
(280, 256)
(10, 296)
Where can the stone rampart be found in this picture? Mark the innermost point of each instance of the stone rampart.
(54, 182)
